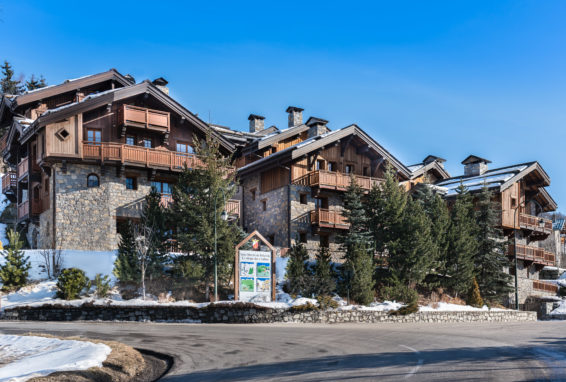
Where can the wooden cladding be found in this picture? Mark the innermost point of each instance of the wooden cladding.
(544, 287)
(535, 223)
(274, 178)
(335, 180)
(23, 210)
(142, 117)
(140, 155)
(23, 167)
(3, 142)
(232, 206)
(325, 218)
(534, 254)
(9, 181)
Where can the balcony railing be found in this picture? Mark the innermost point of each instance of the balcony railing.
(23, 209)
(9, 180)
(23, 167)
(545, 287)
(232, 205)
(3, 142)
(335, 180)
(139, 155)
(142, 117)
(328, 219)
(536, 255)
(535, 223)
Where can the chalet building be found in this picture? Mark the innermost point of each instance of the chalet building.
(520, 190)
(81, 156)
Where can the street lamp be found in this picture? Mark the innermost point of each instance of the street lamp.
(515, 256)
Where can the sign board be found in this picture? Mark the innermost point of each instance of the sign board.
(255, 269)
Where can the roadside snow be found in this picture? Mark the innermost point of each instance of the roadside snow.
(561, 309)
(25, 357)
(446, 307)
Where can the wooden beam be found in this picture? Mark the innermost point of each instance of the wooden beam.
(345, 144)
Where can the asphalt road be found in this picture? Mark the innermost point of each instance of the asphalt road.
(361, 352)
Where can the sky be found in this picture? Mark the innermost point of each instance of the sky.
(448, 78)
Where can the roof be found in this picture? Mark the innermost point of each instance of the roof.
(293, 108)
(315, 120)
(558, 224)
(474, 159)
(434, 165)
(255, 116)
(432, 158)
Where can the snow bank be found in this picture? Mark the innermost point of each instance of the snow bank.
(446, 307)
(25, 357)
(561, 309)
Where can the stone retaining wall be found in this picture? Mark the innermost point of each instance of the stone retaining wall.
(247, 314)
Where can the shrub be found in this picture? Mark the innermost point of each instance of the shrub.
(101, 285)
(188, 268)
(474, 297)
(399, 293)
(327, 302)
(71, 283)
(407, 309)
(303, 307)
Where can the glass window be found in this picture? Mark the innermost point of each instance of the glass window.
(147, 143)
(320, 165)
(349, 169)
(162, 187)
(131, 183)
(94, 136)
(130, 140)
(331, 166)
(92, 181)
(183, 147)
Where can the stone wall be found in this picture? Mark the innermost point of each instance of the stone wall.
(232, 313)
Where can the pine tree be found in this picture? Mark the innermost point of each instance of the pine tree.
(126, 267)
(7, 83)
(198, 201)
(298, 277)
(357, 246)
(490, 258)
(324, 279)
(474, 295)
(34, 83)
(153, 216)
(15, 271)
(462, 246)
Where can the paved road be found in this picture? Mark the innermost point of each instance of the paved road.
(360, 352)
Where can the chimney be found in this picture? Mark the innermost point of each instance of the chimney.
(130, 78)
(295, 116)
(161, 84)
(474, 165)
(317, 126)
(256, 123)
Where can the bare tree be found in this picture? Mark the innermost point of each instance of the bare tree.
(53, 260)
(143, 236)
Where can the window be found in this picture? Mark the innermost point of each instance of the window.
(253, 193)
(92, 181)
(162, 187)
(147, 143)
(320, 164)
(62, 134)
(332, 166)
(321, 203)
(324, 241)
(366, 171)
(513, 202)
(130, 140)
(264, 204)
(303, 198)
(183, 147)
(94, 137)
(349, 169)
(303, 237)
(131, 183)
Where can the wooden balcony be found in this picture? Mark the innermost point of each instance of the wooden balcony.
(136, 155)
(328, 219)
(536, 224)
(9, 182)
(335, 180)
(23, 210)
(536, 255)
(232, 206)
(3, 142)
(23, 168)
(144, 118)
(544, 287)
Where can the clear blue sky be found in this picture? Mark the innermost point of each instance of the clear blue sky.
(447, 78)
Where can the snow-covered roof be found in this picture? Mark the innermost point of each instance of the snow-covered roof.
(558, 224)
(91, 96)
(415, 167)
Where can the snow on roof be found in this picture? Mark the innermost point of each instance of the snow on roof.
(415, 167)
(558, 224)
(89, 97)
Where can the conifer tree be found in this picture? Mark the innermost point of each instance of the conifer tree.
(298, 277)
(15, 271)
(324, 279)
(8, 85)
(462, 245)
(126, 267)
(357, 246)
(35, 83)
(490, 258)
(474, 296)
(153, 216)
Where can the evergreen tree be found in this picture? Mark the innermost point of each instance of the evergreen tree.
(198, 201)
(298, 274)
(8, 85)
(357, 246)
(324, 279)
(490, 258)
(15, 271)
(153, 216)
(35, 83)
(126, 267)
(474, 296)
(462, 245)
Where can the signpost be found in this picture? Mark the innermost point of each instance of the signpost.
(255, 269)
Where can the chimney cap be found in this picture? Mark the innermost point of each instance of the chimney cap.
(475, 159)
(130, 78)
(160, 81)
(293, 108)
(314, 120)
(255, 116)
(432, 158)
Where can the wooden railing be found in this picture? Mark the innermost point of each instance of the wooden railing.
(23, 209)
(329, 219)
(232, 205)
(3, 142)
(545, 287)
(23, 167)
(9, 180)
(135, 116)
(139, 155)
(534, 254)
(335, 180)
(535, 223)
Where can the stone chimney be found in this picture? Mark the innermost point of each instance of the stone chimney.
(256, 123)
(474, 165)
(295, 116)
(161, 84)
(317, 126)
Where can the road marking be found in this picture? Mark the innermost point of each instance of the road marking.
(419, 362)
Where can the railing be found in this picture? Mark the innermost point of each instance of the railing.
(329, 219)
(233, 207)
(9, 180)
(23, 209)
(335, 180)
(545, 287)
(23, 167)
(534, 254)
(129, 115)
(139, 155)
(3, 142)
(535, 223)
